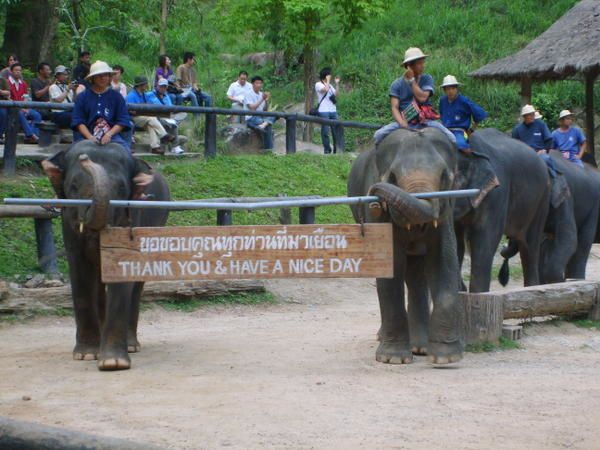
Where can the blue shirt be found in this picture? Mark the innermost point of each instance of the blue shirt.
(569, 141)
(536, 135)
(402, 90)
(90, 108)
(165, 100)
(145, 97)
(458, 114)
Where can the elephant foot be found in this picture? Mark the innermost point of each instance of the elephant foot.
(445, 353)
(114, 361)
(85, 352)
(133, 345)
(393, 353)
(419, 350)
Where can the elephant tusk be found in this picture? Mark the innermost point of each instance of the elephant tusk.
(408, 227)
(375, 210)
(435, 224)
(80, 227)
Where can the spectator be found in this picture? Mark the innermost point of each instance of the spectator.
(81, 70)
(569, 139)
(237, 93)
(61, 92)
(165, 71)
(256, 100)
(28, 118)
(40, 87)
(116, 82)
(4, 95)
(152, 125)
(187, 80)
(100, 113)
(171, 125)
(5, 73)
(327, 108)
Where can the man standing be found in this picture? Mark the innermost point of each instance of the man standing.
(459, 113)
(187, 80)
(237, 93)
(535, 133)
(28, 118)
(81, 71)
(410, 98)
(569, 139)
(151, 124)
(256, 100)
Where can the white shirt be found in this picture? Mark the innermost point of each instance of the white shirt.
(252, 98)
(56, 90)
(238, 91)
(326, 105)
(120, 88)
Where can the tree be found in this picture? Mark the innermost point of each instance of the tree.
(291, 24)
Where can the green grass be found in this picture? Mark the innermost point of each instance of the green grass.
(35, 313)
(586, 323)
(486, 347)
(243, 298)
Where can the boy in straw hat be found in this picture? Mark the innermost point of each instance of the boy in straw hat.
(459, 113)
(410, 98)
(569, 139)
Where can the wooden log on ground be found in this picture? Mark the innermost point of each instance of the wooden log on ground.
(482, 318)
(29, 212)
(16, 434)
(15, 299)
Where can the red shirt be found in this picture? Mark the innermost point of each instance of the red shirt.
(18, 88)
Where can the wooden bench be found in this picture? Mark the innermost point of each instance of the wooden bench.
(47, 130)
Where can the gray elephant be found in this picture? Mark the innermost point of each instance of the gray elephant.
(425, 256)
(517, 208)
(106, 315)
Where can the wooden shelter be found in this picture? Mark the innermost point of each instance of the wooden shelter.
(570, 48)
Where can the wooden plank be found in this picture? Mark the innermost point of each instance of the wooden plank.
(250, 252)
(33, 212)
(483, 316)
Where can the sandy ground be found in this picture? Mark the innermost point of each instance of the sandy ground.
(301, 374)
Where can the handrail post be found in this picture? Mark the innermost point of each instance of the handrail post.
(224, 217)
(339, 141)
(46, 251)
(10, 144)
(290, 134)
(307, 215)
(210, 136)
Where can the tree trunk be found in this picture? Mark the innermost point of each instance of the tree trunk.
(50, 32)
(311, 22)
(27, 29)
(164, 14)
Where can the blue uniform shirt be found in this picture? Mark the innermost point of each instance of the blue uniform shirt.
(458, 114)
(402, 90)
(165, 100)
(91, 107)
(569, 141)
(536, 135)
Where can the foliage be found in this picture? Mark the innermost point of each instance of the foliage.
(487, 347)
(241, 298)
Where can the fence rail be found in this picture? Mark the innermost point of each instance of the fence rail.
(210, 133)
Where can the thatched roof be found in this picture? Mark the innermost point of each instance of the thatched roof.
(570, 46)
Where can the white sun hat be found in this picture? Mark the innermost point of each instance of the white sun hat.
(163, 82)
(564, 113)
(99, 68)
(412, 54)
(450, 80)
(538, 115)
(527, 109)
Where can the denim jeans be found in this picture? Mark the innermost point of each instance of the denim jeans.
(191, 96)
(117, 138)
(29, 128)
(203, 99)
(176, 99)
(461, 139)
(325, 131)
(383, 132)
(62, 118)
(267, 132)
(3, 121)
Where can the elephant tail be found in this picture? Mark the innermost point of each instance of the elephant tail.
(504, 273)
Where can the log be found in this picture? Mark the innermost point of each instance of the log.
(30, 212)
(16, 434)
(482, 319)
(15, 299)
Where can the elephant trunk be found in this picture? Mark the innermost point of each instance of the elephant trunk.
(405, 208)
(96, 215)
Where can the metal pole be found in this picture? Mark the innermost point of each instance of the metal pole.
(339, 139)
(290, 135)
(10, 144)
(224, 217)
(210, 136)
(307, 215)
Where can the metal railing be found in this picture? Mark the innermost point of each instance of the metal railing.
(210, 133)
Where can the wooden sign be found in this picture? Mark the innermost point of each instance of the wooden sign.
(237, 252)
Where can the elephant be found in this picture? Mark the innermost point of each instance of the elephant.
(517, 208)
(424, 244)
(106, 315)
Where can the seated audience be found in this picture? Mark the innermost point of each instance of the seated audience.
(28, 118)
(5, 73)
(40, 87)
(237, 93)
(164, 71)
(256, 100)
(569, 139)
(62, 92)
(151, 124)
(171, 125)
(81, 70)
(4, 95)
(188, 82)
(116, 82)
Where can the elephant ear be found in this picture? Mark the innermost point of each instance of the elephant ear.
(559, 191)
(141, 166)
(476, 172)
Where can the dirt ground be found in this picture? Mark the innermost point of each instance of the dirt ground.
(301, 374)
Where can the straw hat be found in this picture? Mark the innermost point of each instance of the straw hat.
(564, 113)
(450, 80)
(527, 109)
(99, 68)
(412, 54)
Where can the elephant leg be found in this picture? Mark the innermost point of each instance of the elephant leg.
(113, 344)
(460, 251)
(555, 253)
(441, 266)
(585, 238)
(394, 340)
(529, 249)
(133, 345)
(483, 244)
(418, 304)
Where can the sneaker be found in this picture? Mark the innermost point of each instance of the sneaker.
(177, 150)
